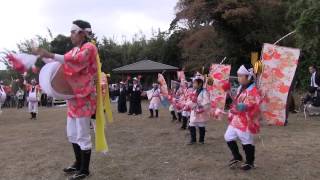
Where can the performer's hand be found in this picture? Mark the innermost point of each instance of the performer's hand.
(42, 53)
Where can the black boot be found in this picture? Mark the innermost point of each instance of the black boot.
(249, 149)
(31, 115)
(157, 113)
(202, 133)
(77, 164)
(34, 116)
(184, 123)
(237, 158)
(151, 113)
(179, 116)
(193, 135)
(84, 169)
(174, 117)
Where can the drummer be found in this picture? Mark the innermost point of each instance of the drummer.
(80, 71)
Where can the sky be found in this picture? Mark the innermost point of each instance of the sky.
(21, 19)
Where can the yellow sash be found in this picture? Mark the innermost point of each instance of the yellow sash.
(100, 139)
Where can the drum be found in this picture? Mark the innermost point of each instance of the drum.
(53, 83)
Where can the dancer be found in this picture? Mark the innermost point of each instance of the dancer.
(154, 97)
(20, 97)
(33, 91)
(179, 104)
(244, 119)
(200, 104)
(172, 104)
(80, 71)
(186, 111)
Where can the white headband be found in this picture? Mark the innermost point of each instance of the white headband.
(198, 76)
(77, 28)
(244, 71)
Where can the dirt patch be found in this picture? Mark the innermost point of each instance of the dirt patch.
(153, 149)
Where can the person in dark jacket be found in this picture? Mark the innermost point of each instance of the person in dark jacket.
(44, 99)
(122, 101)
(314, 87)
(135, 91)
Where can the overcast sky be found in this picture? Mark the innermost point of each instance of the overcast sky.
(23, 19)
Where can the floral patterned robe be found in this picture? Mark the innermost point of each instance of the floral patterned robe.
(247, 120)
(80, 69)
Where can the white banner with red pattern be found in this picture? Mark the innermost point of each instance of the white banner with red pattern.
(220, 74)
(279, 67)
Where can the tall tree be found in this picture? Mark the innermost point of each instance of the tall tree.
(232, 28)
(305, 16)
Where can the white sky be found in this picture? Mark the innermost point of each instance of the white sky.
(23, 19)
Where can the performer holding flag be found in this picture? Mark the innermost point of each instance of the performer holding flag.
(200, 104)
(179, 98)
(244, 119)
(186, 111)
(80, 68)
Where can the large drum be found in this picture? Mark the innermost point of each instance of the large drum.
(53, 82)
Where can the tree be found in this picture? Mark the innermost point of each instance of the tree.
(161, 47)
(61, 44)
(232, 28)
(306, 19)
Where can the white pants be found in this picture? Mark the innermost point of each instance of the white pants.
(171, 108)
(33, 107)
(186, 113)
(154, 106)
(78, 132)
(232, 134)
(197, 124)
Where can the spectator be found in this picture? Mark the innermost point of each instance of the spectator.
(313, 94)
(44, 99)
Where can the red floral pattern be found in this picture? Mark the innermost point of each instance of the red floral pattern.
(279, 66)
(80, 70)
(249, 119)
(220, 75)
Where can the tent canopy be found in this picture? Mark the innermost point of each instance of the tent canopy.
(145, 66)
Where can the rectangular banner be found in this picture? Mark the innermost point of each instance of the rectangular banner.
(220, 74)
(279, 67)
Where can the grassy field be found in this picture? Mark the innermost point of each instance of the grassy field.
(154, 149)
